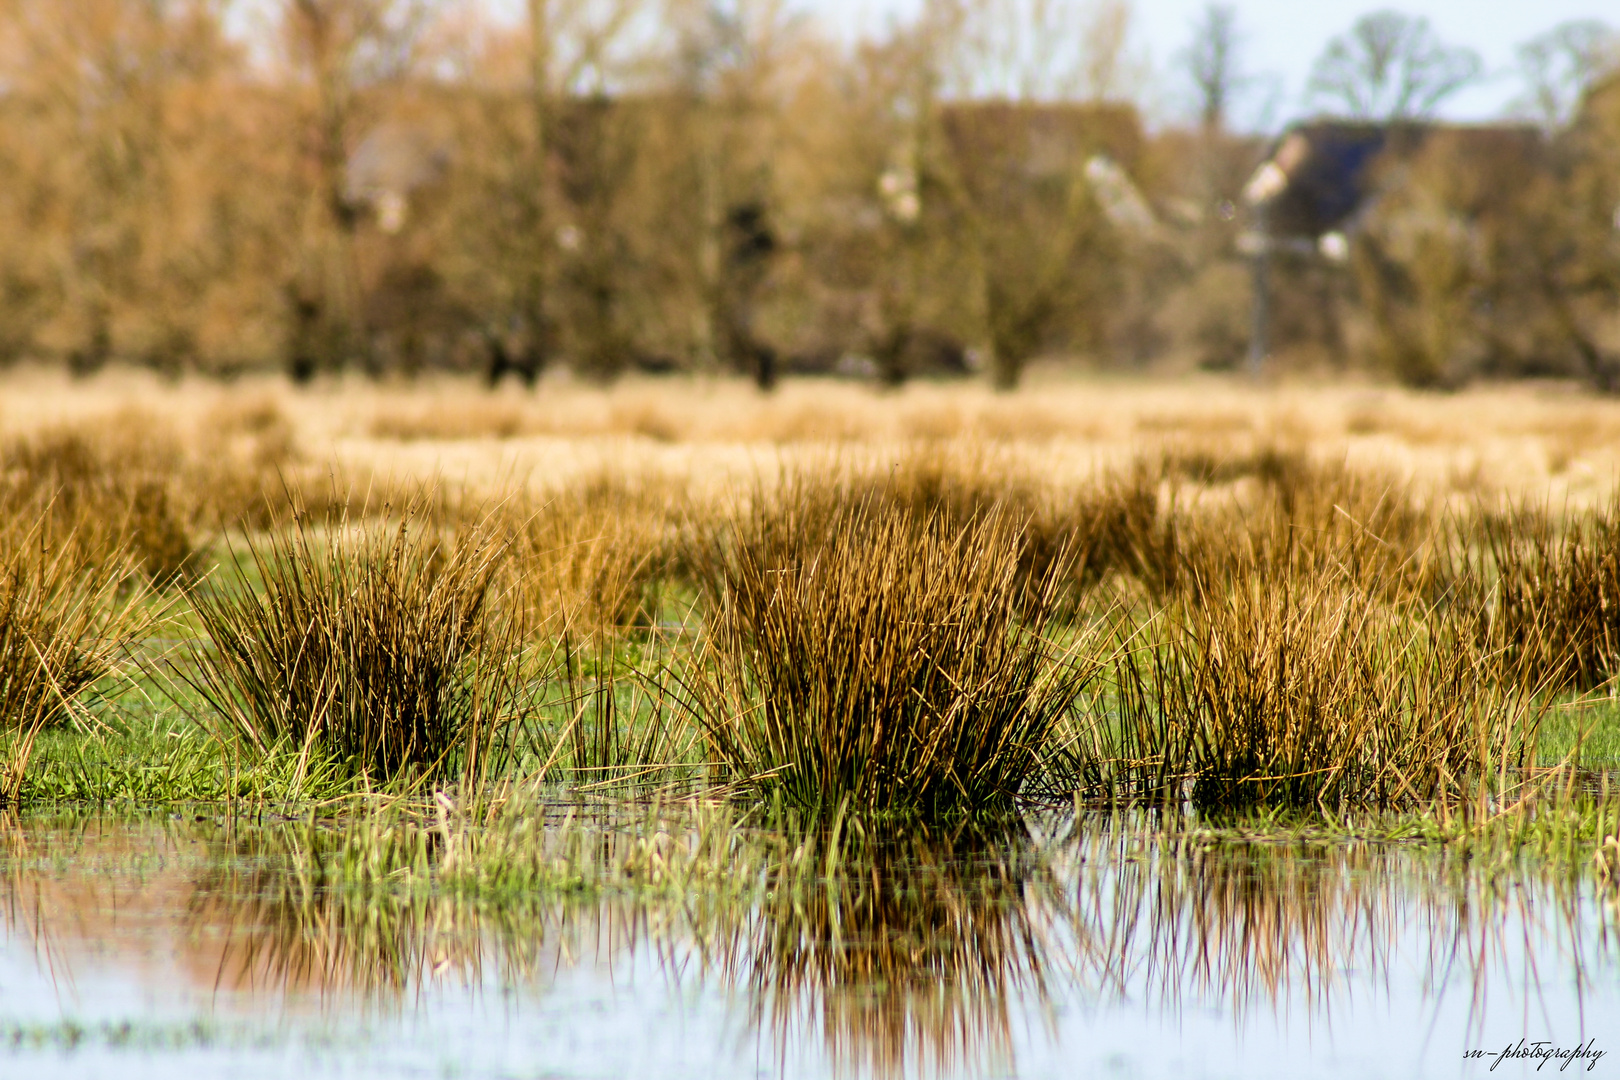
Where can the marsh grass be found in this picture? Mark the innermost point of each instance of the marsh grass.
(1581, 729)
(1119, 523)
(1309, 520)
(1556, 586)
(860, 653)
(385, 648)
(1289, 630)
(600, 555)
(1283, 695)
(108, 498)
(615, 730)
(143, 760)
(135, 488)
(1298, 693)
(64, 625)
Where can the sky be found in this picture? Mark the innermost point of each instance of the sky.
(1282, 38)
(1285, 36)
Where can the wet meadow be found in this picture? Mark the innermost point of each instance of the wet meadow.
(1225, 732)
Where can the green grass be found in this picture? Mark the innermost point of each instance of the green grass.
(159, 758)
(1583, 729)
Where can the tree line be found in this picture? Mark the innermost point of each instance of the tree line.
(393, 186)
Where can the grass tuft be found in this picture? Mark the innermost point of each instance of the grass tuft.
(63, 622)
(1298, 693)
(863, 654)
(385, 648)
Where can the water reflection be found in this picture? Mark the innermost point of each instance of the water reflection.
(882, 954)
(912, 955)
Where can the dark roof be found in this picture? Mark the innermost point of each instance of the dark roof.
(1326, 172)
(1333, 180)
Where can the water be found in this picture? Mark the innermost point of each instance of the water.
(160, 947)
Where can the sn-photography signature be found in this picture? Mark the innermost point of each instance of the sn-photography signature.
(1541, 1052)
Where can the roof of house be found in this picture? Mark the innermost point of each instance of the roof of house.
(396, 158)
(1323, 174)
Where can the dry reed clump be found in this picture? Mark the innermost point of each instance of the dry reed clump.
(443, 421)
(1277, 511)
(1302, 692)
(648, 419)
(241, 460)
(597, 555)
(1551, 593)
(131, 483)
(243, 468)
(63, 621)
(383, 648)
(956, 486)
(1117, 524)
(108, 496)
(1121, 525)
(131, 480)
(862, 653)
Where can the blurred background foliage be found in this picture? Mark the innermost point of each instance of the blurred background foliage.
(396, 186)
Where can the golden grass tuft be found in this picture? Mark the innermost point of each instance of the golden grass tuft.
(64, 620)
(385, 649)
(108, 495)
(869, 654)
(1552, 594)
(596, 555)
(1302, 692)
(1280, 589)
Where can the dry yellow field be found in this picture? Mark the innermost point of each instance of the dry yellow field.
(1542, 440)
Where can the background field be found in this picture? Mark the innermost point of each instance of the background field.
(1549, 439)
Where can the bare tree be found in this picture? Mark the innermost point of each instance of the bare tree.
(1060, 74)
(1559, 65)
(1037, 50)
(1212, 62)
(733, 68)
(109, 121)
(1391, 66)
(339, 52)
(547, 144)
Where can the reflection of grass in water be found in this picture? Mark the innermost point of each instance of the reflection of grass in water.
(909, 958)
(1242, 926)
(1261, 914)
(393, 901)
(909, 953)
(898, 949)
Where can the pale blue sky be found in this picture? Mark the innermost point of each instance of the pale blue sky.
(1285, 36)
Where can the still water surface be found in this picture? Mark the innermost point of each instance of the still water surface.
(162, 947)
